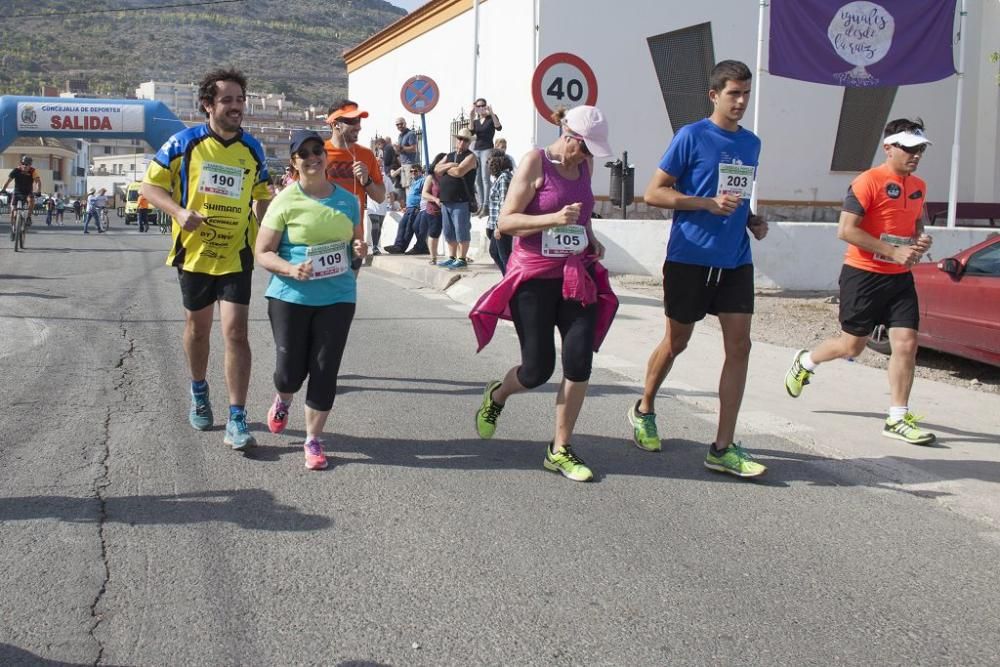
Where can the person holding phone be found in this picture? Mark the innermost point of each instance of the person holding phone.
(485, 124)
(307, 240)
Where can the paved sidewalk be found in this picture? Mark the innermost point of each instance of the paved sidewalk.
(839, 415)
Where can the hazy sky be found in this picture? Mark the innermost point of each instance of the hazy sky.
(408, 5)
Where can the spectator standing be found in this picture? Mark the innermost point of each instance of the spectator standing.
(457, 178)
(500, 144)
(406, 151)
(500, 167)
(142, 212)
(485, 124)
(78, 209)
(432, 212)
(50, 210)
(60, 210)
(386, 158)
(95, 204)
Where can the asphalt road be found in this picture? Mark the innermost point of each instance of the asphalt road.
(127, 538)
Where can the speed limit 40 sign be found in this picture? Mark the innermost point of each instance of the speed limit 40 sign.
(562, 79)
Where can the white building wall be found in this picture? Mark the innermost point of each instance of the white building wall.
(798, 120)
(445, 55)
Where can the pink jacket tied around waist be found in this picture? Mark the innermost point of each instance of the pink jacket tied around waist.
(577, 286)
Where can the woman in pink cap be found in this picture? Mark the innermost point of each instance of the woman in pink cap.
(554, 280)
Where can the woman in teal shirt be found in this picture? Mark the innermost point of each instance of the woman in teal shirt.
(308, 240)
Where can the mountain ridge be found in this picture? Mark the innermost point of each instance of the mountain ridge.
(282, 46)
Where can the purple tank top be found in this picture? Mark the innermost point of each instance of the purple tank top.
(558, 191)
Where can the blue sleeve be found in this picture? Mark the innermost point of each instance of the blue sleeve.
(676, 160)
(410, 139)
(169, 151)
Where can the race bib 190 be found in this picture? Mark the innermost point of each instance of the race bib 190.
(328, 260)
(564, 241)
(221, 180)
(736, 179)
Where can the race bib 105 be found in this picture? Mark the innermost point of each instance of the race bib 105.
(564, 240)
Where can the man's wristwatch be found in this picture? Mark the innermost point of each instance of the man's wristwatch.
(368, 182)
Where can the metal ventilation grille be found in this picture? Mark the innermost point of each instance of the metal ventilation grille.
(683, 60)
(863, 115)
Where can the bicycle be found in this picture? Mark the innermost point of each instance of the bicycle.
(20, 222)
(105, 220)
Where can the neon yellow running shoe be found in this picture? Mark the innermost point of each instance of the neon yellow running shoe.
(644, 433)
(906, 429)
(797, 376)
(488, 412)
(734, 460)
(564, 461)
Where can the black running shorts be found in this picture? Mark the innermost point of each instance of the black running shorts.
(868, 299)
(200, 290)
(690, 291)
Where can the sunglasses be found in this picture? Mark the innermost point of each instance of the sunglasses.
(583, 143)
(349, 121)
(912, 150)
(304, 153)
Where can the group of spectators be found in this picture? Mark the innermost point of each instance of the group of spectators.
(470, 180)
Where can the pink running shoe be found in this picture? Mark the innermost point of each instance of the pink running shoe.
(315, 458)
(277, 416)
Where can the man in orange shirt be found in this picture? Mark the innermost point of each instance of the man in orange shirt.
(348, 164)
(883, 223)
(142, 212)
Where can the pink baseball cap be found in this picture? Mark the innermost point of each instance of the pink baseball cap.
(590, 123)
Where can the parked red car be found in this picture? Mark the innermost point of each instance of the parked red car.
(959, 304)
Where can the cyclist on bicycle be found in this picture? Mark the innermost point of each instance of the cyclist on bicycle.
(25, 179)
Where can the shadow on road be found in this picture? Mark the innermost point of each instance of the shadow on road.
(14, 657)
(954, 435)
(252, 509)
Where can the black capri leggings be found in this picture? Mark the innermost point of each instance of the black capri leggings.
(309, 340)
(537, 308)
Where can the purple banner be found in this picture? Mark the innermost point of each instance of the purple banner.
(861, 43)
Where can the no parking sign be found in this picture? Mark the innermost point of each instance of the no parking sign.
(562, 79)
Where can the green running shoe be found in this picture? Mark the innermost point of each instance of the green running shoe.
(644, 432)
(906, 429)
(488, 412)
(564, 461)
(797, 376)
(734, 460)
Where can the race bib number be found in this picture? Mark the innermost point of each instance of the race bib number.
(564, 241)
(893, 240)
(736, 179)
(328, 260)
(221, 180)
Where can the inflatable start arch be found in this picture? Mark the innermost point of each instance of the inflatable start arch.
(78, 117)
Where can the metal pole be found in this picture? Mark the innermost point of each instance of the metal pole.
(756, 90)
(623, 188)
(423, 130)
(953, 177)
(475, 50)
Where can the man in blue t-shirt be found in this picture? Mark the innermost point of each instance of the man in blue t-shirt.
(706, 177)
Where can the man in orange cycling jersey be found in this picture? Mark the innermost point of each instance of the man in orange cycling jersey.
(883, 223)
(26, 183)
(348, 164)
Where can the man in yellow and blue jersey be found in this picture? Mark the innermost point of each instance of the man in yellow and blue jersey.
(212, 180)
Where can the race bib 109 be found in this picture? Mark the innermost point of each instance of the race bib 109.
(328, 260)
(564, 240)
